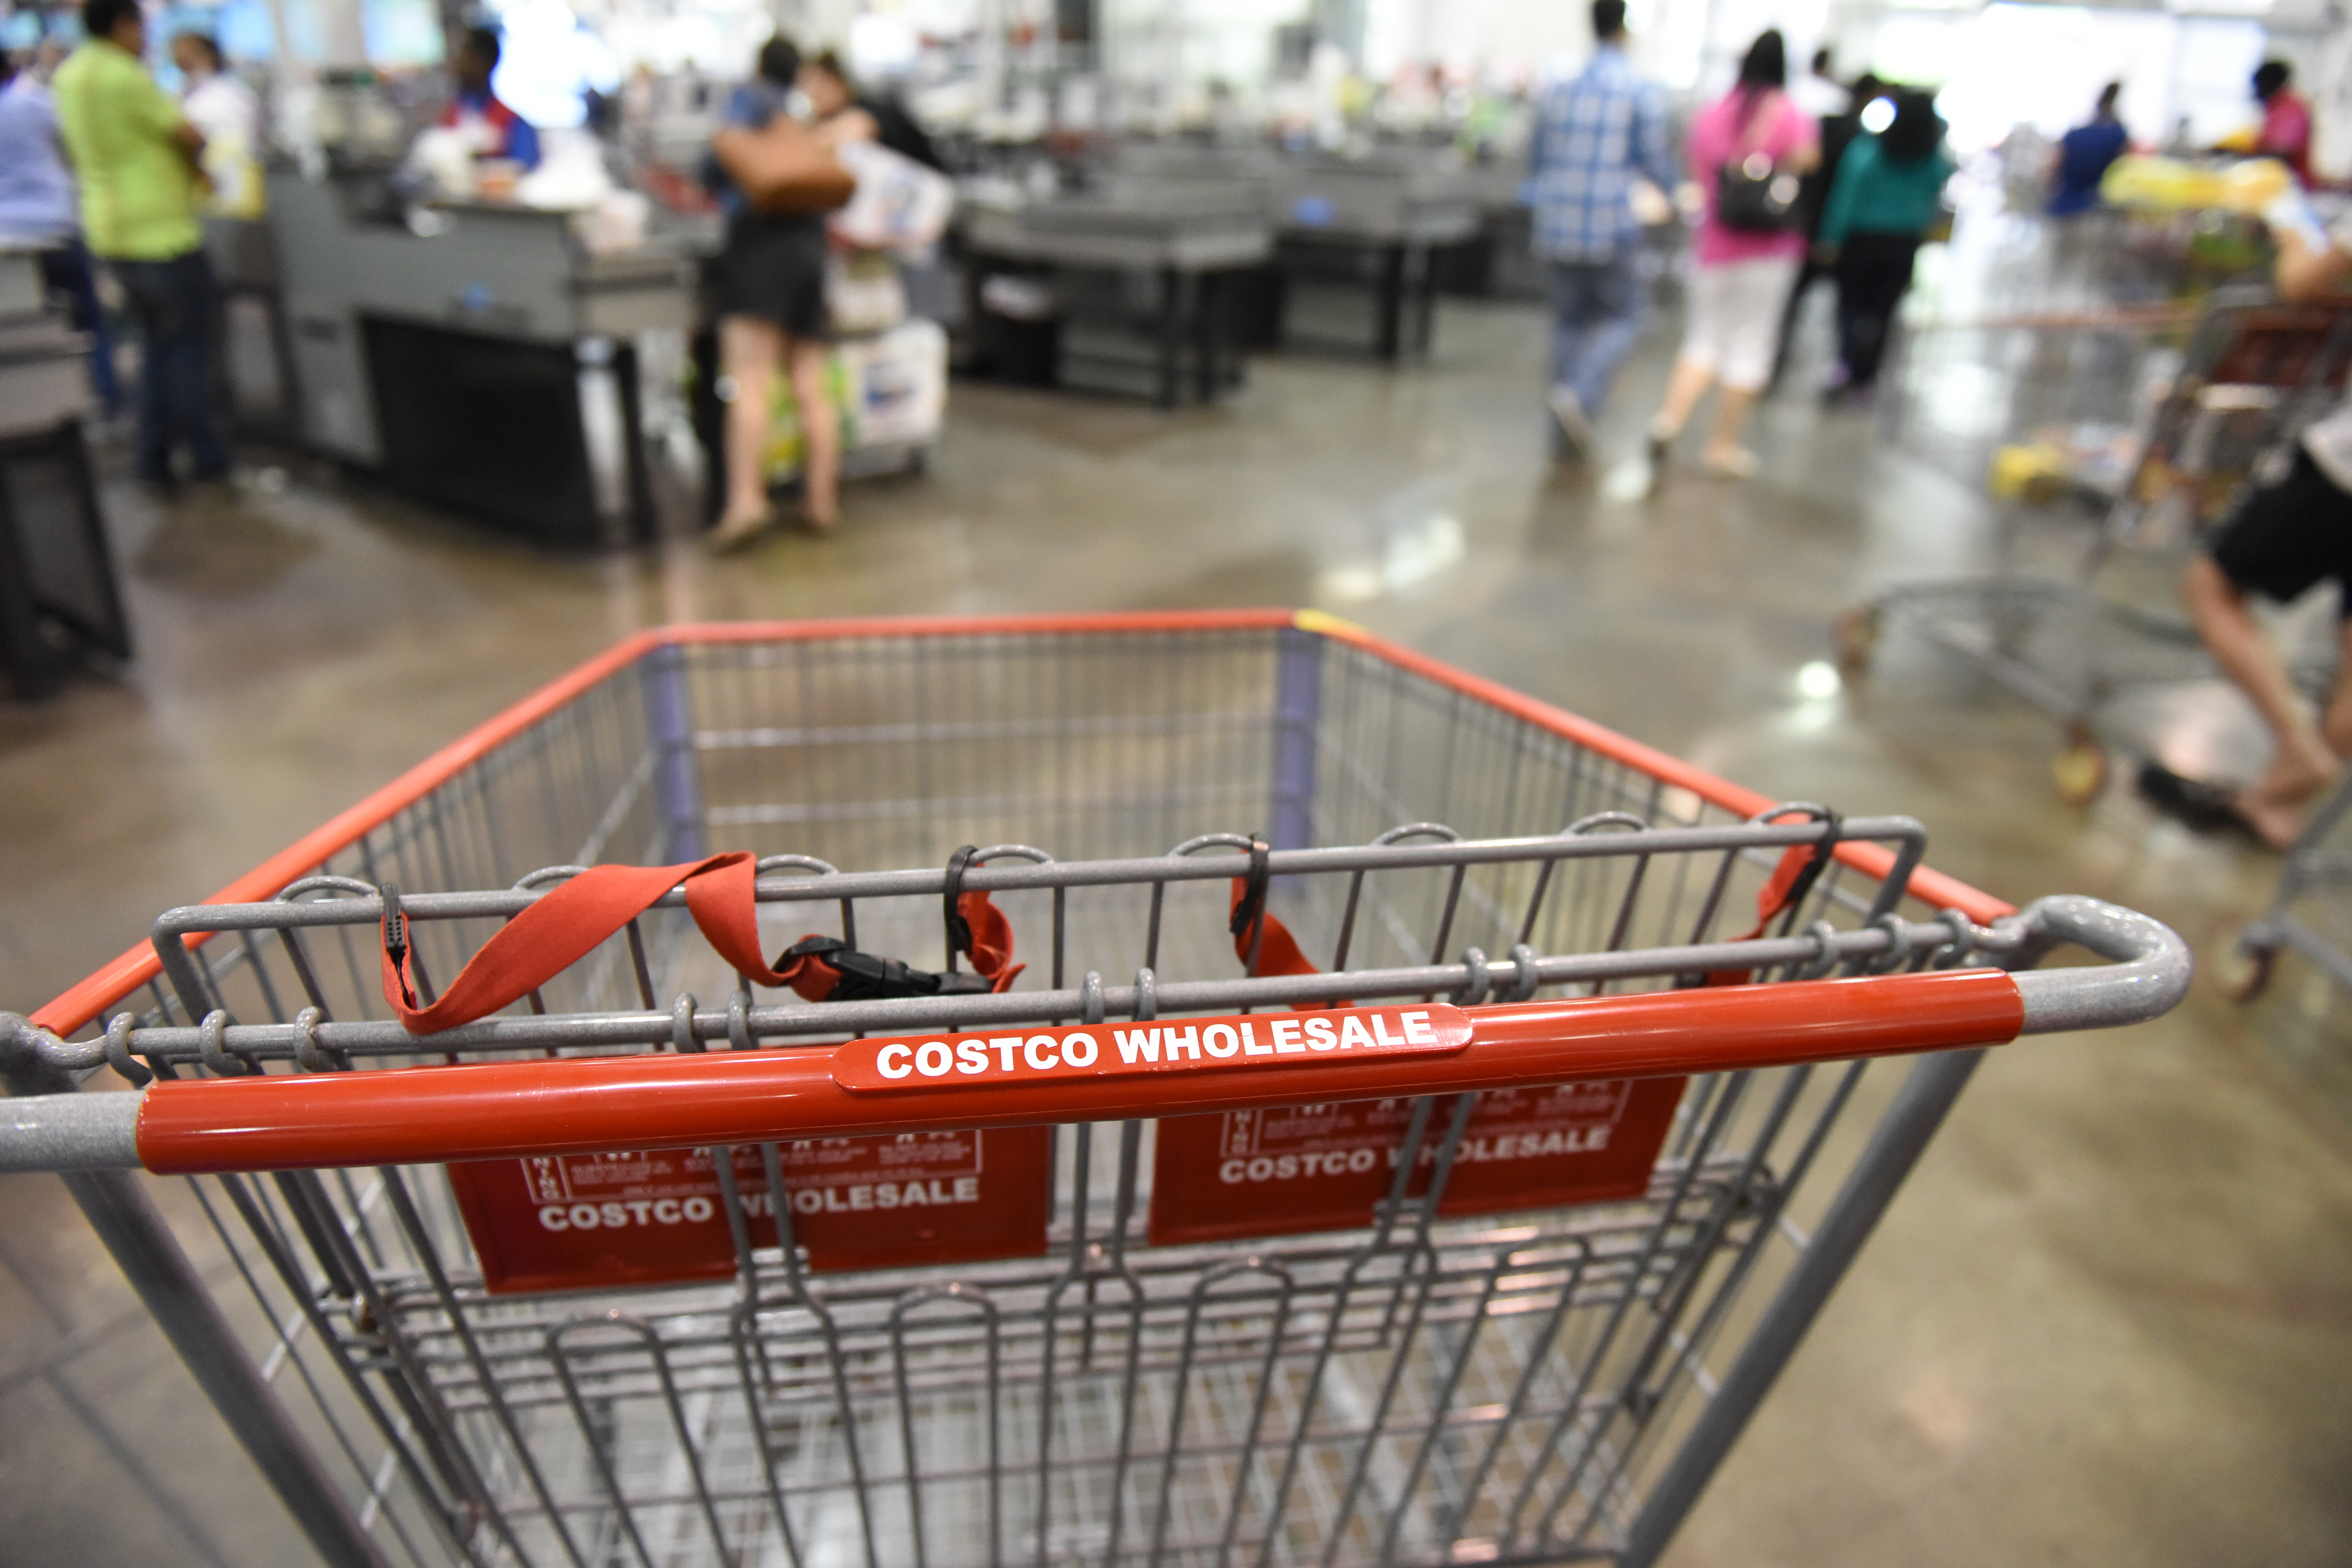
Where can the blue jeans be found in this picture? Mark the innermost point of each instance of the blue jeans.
(176, 308)
(1596, 316)
(65, 270)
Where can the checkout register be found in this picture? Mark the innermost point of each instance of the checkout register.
(477, 348)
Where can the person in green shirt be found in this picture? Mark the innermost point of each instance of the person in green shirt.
(1888, 192)
(135, 155)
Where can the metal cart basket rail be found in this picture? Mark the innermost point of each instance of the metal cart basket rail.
(2310, 912)
(1615, 1132)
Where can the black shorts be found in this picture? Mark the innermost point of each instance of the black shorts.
(773, 267)
(2287, 538)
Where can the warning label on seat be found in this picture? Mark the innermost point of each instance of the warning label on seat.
(580, 1221)
(1325, 1167)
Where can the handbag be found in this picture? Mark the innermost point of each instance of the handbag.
(1752, 196)
(782, 168)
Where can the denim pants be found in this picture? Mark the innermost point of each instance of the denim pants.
(1596, 312)
(65, 270)
(176, 308)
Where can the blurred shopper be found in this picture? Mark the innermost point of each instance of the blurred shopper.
(1837, 132)
(224, 109)
(1596, 134)
(2286, 133)
(37, 213)
(499, 131)
(847, 114)
(135, 155)
(769, 283)
(1889, 193)
(2084, 155)
(2284, 539)
(1744, 149)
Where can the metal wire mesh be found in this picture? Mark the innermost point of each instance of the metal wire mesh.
(1429, 1389)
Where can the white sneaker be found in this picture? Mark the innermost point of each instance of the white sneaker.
(1575, 424)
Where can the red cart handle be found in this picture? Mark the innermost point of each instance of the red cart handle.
(563, 927)
(665, 1100)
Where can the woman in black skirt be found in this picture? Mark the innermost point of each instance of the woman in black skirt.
(769, 283)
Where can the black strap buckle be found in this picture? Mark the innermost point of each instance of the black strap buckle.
(1252, 904)
(395, 940)
(958, 928)
(1824, 851)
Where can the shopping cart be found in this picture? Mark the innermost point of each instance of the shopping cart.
(1529, 1121)
(2096, 414)
(2310, 913)
(2051, 402)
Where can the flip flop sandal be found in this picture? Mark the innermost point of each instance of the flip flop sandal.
(2206, 808)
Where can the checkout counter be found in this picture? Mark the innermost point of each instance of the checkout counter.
(1362, 229)
(489, 366)
(1499, 262)
(1143, 282)
(1379, 222)
(256, 370)
(59, 600)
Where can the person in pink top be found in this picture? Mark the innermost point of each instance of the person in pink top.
(1743, 267)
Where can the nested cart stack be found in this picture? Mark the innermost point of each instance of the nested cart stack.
(1343, 1112)
(2150, 422)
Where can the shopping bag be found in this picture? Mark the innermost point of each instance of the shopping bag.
(787, 446)
(898, 205)
(887, 391)
(897, 385)
(863, 293)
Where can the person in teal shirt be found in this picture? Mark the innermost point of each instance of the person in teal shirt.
(1889, 193)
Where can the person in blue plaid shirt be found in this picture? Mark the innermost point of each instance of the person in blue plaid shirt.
(1596, 135)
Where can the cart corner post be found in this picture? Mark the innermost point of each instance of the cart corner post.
(1297, 720)
(142, 1246)
(1918, 1110)
(669, 719)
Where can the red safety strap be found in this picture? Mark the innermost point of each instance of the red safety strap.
(1801, 866)
(566, 925)
(990, 950)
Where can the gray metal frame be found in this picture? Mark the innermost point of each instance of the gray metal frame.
(2317, 875)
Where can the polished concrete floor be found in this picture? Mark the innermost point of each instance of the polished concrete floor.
(2110, 1321)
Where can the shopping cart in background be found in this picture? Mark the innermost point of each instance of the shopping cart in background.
(1360, 1114)
(2049, 403)
(2311, 913)
(2099, 417)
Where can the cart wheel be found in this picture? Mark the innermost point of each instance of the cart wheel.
(1855, 637)
(2246, 972)
(2080, 768)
